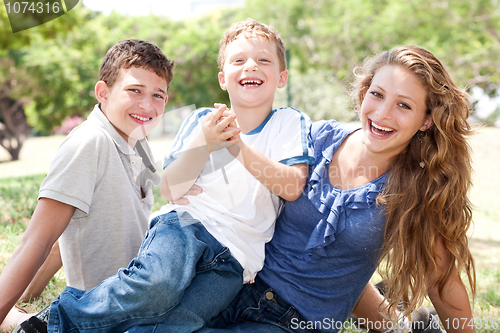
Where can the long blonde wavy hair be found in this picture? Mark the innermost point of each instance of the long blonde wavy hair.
(426, 205)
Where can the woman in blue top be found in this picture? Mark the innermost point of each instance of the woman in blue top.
(394, 189)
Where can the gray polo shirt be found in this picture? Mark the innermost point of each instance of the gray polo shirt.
(96, 171)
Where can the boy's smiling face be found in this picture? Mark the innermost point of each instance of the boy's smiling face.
(251, 72)
(134, 103)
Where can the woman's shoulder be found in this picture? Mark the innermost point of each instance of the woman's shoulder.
(324, 127)
(330, 131)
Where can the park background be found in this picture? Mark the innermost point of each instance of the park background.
(48, 73)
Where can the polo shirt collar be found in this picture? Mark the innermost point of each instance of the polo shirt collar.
(98, 116)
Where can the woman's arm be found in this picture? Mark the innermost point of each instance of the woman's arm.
(453, 308)
(367, 309)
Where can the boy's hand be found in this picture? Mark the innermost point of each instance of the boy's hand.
(194, 190)
(220, 129)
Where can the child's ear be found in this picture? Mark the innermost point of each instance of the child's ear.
(101, 92)
(222, 81)
(283, 79)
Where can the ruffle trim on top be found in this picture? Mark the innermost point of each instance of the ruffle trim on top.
(336, 206)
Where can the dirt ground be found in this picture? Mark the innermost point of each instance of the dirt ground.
(38, 152)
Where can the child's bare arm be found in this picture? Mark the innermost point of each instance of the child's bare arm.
(47, 223)
(180, 175)
(283, 180)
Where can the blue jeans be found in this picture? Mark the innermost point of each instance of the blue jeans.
(258, 309)
(182, 277)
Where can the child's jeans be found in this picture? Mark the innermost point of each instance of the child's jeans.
(181, 278)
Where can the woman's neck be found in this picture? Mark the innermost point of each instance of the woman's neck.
(353, 165)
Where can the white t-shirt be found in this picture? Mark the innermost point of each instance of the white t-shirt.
(96, 171)
(235, 207)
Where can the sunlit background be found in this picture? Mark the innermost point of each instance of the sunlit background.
(48, 73)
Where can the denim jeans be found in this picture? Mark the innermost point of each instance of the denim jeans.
(181, 277)
(258, 309)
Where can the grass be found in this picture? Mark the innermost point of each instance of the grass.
(19, 183)
(18, 197)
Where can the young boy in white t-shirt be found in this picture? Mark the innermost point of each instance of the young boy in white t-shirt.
(97, 196)
(196, 257)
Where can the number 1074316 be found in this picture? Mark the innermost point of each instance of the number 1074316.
(33, 7)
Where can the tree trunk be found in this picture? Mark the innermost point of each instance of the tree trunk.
(13, 126)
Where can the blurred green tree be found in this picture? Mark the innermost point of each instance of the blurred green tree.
(16, 81)
(50, 71)
(334, 36)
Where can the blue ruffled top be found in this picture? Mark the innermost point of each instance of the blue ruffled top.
(335, 205)
(328, 242)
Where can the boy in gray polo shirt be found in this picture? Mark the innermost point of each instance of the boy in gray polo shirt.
(97, 196)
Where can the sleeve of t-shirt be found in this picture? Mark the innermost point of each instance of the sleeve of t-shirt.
(189, 130)
(292, 145)
(76, 169)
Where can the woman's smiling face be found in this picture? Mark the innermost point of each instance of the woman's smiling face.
(393, 110)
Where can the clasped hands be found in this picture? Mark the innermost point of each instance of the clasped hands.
(220, 128)
(221, 131)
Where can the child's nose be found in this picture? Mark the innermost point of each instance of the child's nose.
(146, 103)
(251, 65)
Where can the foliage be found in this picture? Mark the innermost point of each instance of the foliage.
(56, 64)
(338, 35)
(20, 83)
(194, 48)
(318, 93)
(18, 198)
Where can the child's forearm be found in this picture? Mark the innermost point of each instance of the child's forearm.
(283, 180)
(47, 224)
(16, 276)
(180, 175)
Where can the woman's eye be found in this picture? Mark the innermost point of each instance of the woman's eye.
(158, 96)
(134, 90)
(404, 106)
(376, 94)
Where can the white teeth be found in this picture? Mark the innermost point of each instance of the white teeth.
(386, 129)
(243, 82)
(139, 117)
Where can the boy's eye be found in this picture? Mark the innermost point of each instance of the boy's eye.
(264, 60)
(159, 96)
